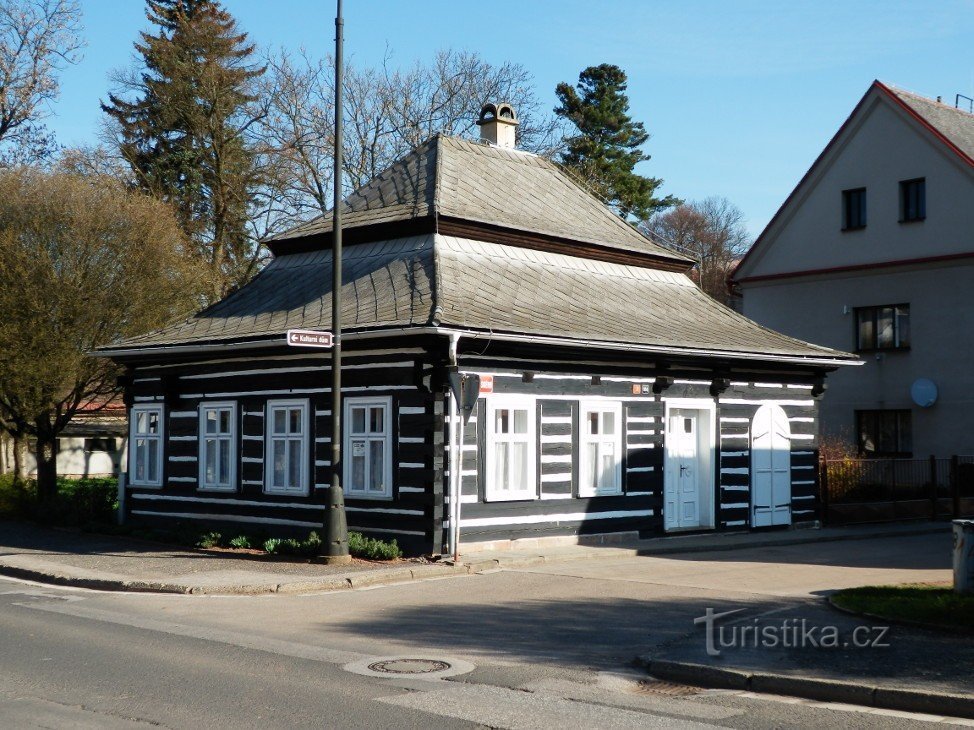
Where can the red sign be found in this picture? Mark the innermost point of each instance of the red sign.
(308, 338)
(486, 383)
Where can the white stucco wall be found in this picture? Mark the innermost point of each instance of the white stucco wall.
(942, 346)
(881, 149)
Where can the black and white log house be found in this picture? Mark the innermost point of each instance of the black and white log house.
(616, 397)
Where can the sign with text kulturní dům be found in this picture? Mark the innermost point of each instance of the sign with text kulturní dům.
(309, 338)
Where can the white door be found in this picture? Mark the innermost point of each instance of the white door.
(770, 467)
(684, 475)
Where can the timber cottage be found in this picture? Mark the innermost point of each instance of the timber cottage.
(616, 397)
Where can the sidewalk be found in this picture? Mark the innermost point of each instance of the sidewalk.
(119, 564)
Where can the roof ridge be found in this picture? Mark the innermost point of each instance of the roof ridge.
(896, 89)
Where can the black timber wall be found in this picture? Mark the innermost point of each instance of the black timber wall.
(412, 516)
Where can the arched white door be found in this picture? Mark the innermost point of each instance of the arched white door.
(770, 467)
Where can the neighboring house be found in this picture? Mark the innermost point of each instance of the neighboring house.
(92, 445)
(617, 398)
(874, 252)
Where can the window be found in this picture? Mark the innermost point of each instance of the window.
(913, 200)
(146, 440)
(100, 444)
(853, 209)
(885, 433)
(601, 449)
(218, 446)
(883, 328)
(511, 449)
(367, 450)
(287, 456)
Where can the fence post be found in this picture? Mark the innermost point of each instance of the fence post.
(824, 491)
(933, 487)
(955, 485)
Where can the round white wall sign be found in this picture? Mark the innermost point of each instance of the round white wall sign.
(924, 392)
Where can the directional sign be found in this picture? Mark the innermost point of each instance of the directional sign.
(308, 338)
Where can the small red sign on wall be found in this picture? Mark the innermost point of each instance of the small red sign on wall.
(486, 383)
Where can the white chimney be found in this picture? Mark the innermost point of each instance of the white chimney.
(498, 125)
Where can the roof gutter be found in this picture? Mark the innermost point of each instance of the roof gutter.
(455, 333)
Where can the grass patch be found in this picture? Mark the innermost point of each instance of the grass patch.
(919, 603)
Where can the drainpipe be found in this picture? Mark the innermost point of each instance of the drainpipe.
(455, 455)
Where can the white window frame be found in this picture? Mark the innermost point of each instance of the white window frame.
(134, 436)
(384, 402)
(584, 439)
(516, 402)
(231, 437)
(304, 481)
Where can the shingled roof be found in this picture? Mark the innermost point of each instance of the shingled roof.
(449, 177)
(483, 287)
(954, 126)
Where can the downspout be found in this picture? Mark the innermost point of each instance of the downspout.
(456, 441)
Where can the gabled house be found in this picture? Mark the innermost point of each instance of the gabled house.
(616, 398)
(873, 251)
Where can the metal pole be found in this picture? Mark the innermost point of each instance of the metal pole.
(336, 525)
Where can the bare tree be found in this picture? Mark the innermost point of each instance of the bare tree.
(712, 231)
(387, 113)
(83, 262)
(38, 38)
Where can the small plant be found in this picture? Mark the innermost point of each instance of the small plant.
(371, 549)
(241, 542)
(271, 545)
(209, 539)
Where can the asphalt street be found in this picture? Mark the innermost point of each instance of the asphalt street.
(546, 647)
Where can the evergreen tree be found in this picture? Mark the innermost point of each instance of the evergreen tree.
(608, 144)
(182, 123)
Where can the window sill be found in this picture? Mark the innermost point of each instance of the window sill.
(224, 490)
(511, 498)
(912, 220)
(285, 492)
(368, 497)
(882, 350)
(853, 228)
(143, 485)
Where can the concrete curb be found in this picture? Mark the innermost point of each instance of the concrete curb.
(812, 688)
(337, 582)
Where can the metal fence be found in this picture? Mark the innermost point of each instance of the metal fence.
(876, 490)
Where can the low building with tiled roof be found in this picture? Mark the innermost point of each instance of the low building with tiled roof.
(873, 252)
(616, 397)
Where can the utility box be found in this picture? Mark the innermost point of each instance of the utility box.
(964, 556)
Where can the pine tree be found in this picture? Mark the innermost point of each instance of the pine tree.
(608, 144)
(182, 125)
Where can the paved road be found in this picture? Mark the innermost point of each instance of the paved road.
(551, 647)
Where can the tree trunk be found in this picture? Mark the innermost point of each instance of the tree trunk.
(19, 449)
(46, 453)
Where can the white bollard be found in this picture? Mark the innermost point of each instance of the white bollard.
(964, 556)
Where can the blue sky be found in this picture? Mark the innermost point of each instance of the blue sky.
(739, 97)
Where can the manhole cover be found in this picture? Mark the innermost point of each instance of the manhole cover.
(391, 667)
(409, 666)
(670, 689)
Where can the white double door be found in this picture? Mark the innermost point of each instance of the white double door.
(770, 467)
(688, 482)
